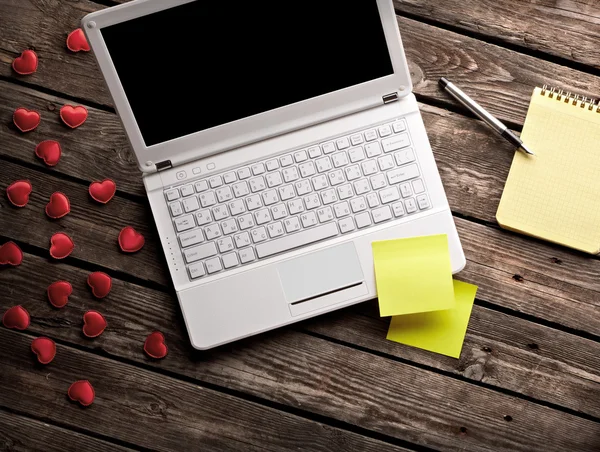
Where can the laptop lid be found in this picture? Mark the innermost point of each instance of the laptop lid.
(193, 78)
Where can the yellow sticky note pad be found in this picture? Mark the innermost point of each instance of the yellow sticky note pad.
(413, 275)
(438, 331)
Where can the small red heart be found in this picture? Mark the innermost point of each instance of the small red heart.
(26, 64)
(94, 324)
(59, 292)
(26, 120)
(16, 318)
(155, 346)
(77, 41)
(82, 391)
(103, 191)
(49, 151)
(18, 192)
(61, 245)
(100, 284)
(130, 240)
(58, 206)
(73, 116)
(11, 254)
(44, 348)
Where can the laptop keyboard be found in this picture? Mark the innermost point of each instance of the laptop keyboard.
(282, 203)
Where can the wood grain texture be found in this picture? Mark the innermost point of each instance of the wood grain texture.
(23, 434)
(321, 377)
(156, 411)
(569, 29)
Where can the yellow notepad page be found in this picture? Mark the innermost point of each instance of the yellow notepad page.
(555, 195)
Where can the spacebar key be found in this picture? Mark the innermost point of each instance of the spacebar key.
(297, 240)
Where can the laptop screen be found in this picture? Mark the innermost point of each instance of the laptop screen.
(203, 64)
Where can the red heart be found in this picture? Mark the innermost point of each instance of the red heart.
(44, 348)
(59, 292)
(130, 240)
(94, 324)
(155, 346)
(73, 116)
(77, 41)
(82, 391)
(61, 245)
(10, 254)
(58, 206)
(49, 151)
(103, 191)
(26, 64)
(100, 283)
(16, 317)
(18, 192)
(26, 120)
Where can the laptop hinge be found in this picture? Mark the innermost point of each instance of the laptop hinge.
(391, 97)
(165, 164)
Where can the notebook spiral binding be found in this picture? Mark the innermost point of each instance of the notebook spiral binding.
(571, 97)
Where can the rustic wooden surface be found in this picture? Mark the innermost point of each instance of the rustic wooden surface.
(529, 374)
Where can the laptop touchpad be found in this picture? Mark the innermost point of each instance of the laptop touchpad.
(320, 273)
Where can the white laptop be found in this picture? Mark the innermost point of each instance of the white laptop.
(277, 143)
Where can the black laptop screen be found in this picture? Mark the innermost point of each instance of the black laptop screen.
(203, 64)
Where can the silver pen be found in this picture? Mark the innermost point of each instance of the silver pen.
(483, 114)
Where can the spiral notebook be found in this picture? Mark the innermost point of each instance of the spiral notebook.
(555, 195)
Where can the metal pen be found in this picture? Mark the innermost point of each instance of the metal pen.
(483, 114)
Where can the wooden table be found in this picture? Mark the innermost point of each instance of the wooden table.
(529, 374)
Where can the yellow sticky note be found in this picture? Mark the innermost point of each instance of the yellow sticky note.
(438, 331)
(413, 275)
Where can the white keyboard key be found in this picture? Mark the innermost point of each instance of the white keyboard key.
(229, 178)
(303, 187)
(172, 195)
(385, 131)
(382, 214)
(272, 165)
(213, 265)
(323, 164)
(325, 214)
(275, 229)
(373, 149)
(225, 244)
(286, 192)
(378, 181)
(336, 177)
(253, 202)
(190, 204)
(345, 191)
(286, 160)
(292, 225)
(342, 209)
(270, 197)
(340, 159)
(308, 219)
(215, 181)
(362, 186)
(418, 186)
(230, 260)
(314, 152)
(307, 169)
(244, 173)
(398, 209)
(176, 209)
(224, 194)
(372, 200)
(247, 255)
(328, 148)
(363, 220)
(220, 212)
(356, 154)
(290, 174)
(347, 225)
(423, 202)
(342, 143)
(370, 135)
(396, 142)
(212, 231)
(274, 179)
(369, 167)
(201, 186)
(279, 211)
(187, 190)
(411, 206)
(258, 169)
(399, 126)
(403, 174)
(358, 204)
(203, 217)
(320, 182)
(196, 270)
(229, 226)
(241, 189)
(300, 156)
(352, 172)
(242, 240)
(386, 162)
(405, 156)
(259, 234)
(263, 216)
(405, 190)
(237, 207)
(200, 252)
(257, 184)
(356, 139)
(246, 221)
(389, 195)
(329, 196)
(312, 201)
(302, 238)
(295, 206)
(191, 238)
(185, 223)
(208, 199)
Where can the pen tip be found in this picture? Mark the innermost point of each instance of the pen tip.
(527, 151)
(443, 82)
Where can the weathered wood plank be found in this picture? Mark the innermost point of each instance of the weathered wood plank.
(20, 433)
(568, 29)
(295, 369)
(155, 411)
